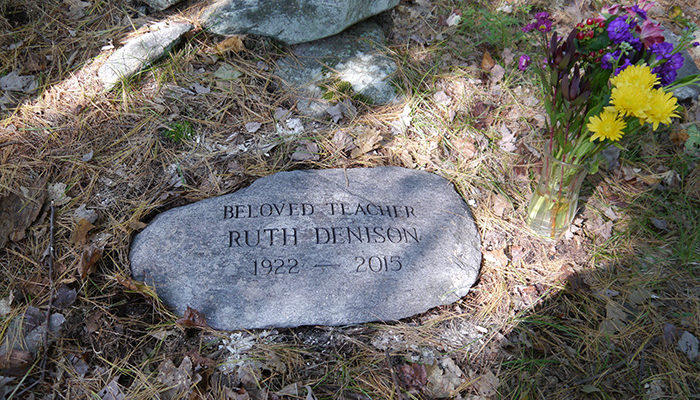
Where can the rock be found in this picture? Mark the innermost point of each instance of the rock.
(161, 4)
(351, 58)
(291, 21)
(314, 247)
(688, 344)
(690, 92)
(141, 51)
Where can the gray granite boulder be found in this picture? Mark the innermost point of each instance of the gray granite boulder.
(161, 4)
(689, 92)
(141, 51)
(290, 21)
(354, 57)
(314, 247)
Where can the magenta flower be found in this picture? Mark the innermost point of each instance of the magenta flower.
(524, 62)
(650, 33)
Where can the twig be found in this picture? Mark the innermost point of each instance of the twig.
(9, 143)
(45, 354)
(397, 388)
(602, 374)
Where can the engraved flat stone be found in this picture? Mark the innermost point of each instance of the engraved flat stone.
(314, 247)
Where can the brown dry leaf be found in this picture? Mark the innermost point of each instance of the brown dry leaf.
(464, 146)
(192, 318)
(487, 62)
(137, 225)
(366, 142)
(88, 259)
(177, 380)
(18, 211)
(497, 257)
(678, 137)
(500, 204)
(567, 274)
(233, 43)
(34, 62)
(15, 362)
(413, 377)
(80, 232)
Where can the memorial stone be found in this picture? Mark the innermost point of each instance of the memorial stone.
(314, 247)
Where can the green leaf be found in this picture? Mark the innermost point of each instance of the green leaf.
(692, 144)
(588, 389)
(594, 166)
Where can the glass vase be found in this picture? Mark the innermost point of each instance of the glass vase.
(554, 201)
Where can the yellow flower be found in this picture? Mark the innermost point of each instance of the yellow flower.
(606, 125)
(639, 76)
(662, 107)
(631, 100)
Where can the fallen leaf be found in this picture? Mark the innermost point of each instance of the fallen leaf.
(366, 141)
(497, 257)
(306, 151)
(15, 362)
(588, 389)
(233, 43)
(497, 73)
(507, 142)
(177, 380)
(64, 297)
(18, 211)
(57, 194)
(615, 318)
(336, 112)
(34, 62)
(227, 72)
(252, 127)
(688, 344)
(500, 204)
(6, 305)
(343, 141)
(487, 61)
(413, 377)
(309, 393)
(88, 259)
(199, 89)
(678, 136)
(18, 83)
(192, 318)
(442, 98)
(568, 275)
(80, 232)
(464, 146)
(112, 391)
(487, 384)
(508, 56)
(137, 225)
(79, 365)
(444, 377)
(671, 334)
(453, 19)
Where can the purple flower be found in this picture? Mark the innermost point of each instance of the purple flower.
(661, 50)
(544, 25)
(666, 75)
(542, 15)
(608, 59)
(696, 44)
(619, 30)
(642, 14)
(529, 27)
(523, 62)
(623, 66)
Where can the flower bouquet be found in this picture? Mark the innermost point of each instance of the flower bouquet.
(611, 76)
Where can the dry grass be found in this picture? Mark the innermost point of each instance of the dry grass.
(538, 320)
